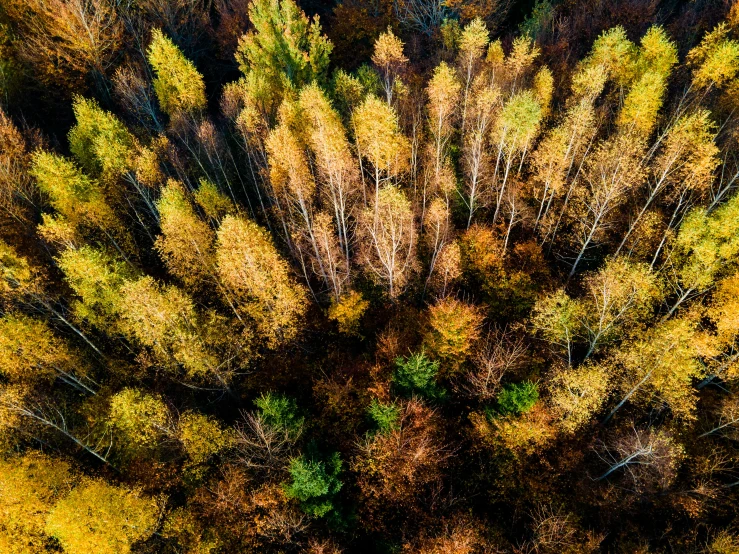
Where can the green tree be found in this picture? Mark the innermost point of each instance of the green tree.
(416, 374)
(284, 49)
(384, 417)
(517, 398)
(280, 411)
(315, 483)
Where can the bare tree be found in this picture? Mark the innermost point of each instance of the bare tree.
(648, 459)
(500, 352)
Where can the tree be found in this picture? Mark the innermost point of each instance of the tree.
(389, 58)
(661, 367)
(187, 243)
(388, 240)
(258, 278)
(715, 59)
(97, 517)
(472, 44)
(479, 116)
(384, 417)
(454, 328)
(380, 142)
(164, 320)
(576, 394)
(315, 484)
(621, 295)
(79, 199)
(609, 175)
(348, 312)
(285, 49)
(31, 353)
(416, 374)
(425, 16)
(99, 140)
(517, 398)
(443, 92)
(31, 485)
(96, 277)
(337, 168)
(202, 437)
(141, 421)
(179, 87)
(649, 459)
(67, 41)
(513, 134)
(398, 470)
(18, 196)
(684, 164)
(705, 247)
(656, 56)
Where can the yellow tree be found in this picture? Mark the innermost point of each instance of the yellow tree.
(472, 45)
(716, 59)
(79, 200)
(723, 312)
(436, 230)
(655, 59)
(454, 328)
(380, 142)
(187, 243)
(443, 91)
(705, 248)
(102, 518)
(576, 394)
(179, 87)
(685, 162)
(140, 421)
(31, 353)
(337, 168)
(31, 485)
(513, 135)
(660, 366)
(388, 239)
(480, 111)
(608, 176)
(164, 319)
(292, 180)
(253, 272)
(99, 140)
(621, 295)
(96, 278)
(389, 59)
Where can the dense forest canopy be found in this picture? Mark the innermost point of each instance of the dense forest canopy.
(409, 276)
